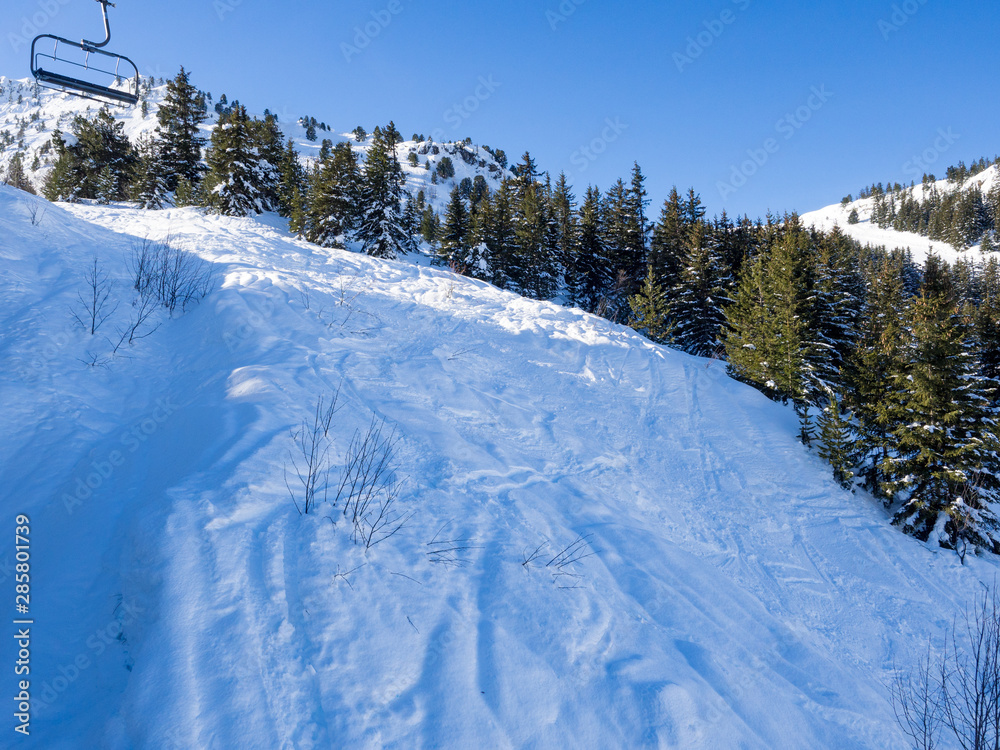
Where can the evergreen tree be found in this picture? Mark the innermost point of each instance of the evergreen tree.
(16, 175)
(567, 230)
(180, 117)
(149, 189)
(455, 235)
(592, 268)
(699, 298)
(944, 470)
(272, 156)
(332, 200)
(649, 310)
(185, 194)
(872, 367)
(381, 230)
(237, 180)
(430, 225)
(105, 190)
(669, 242)
(100, 144)
(838, 442)
(497, 230)
(766, 337)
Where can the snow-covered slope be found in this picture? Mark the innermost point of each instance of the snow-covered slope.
(733, 596)
(29, 114)
(868, 233)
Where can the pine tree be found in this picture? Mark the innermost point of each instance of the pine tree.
(592, 268)
(669, 241)
(185, 194)
(16, 175)
(180, 117)
(430, 225)
(101, 144)
(497, 230)
(699, 298)
(567, 230)
(236, 181)
(649, 310)
(149, 189)
(944, 469)
(381, 230)
(766, 337)
(105, 189)
(872, 368)
(455, 235)
(272, 157)
(838, 442)
(332, 201)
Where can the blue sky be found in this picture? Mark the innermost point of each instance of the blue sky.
(757, 104)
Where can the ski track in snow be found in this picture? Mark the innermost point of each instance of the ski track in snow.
(734, 596)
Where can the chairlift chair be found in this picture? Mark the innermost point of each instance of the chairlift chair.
(109, 77)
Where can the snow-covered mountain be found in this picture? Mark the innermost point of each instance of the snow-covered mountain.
(868, 233)
(29, 114)
(608, 543)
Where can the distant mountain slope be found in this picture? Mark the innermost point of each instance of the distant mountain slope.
(867, 232)
(29, 114)
(726, 593)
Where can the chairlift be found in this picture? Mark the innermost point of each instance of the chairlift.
(108, 77)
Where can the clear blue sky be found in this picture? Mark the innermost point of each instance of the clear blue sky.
(891, 77)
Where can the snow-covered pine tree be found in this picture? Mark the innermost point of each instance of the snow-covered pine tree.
(669, 241)
(766, 335)
(149, 189)
(945, 467)
(593, 268)
(16, 175)
(236, 181)
(333, 197)
(180, 117)
(838, 442)
(381, 230)
(101, 144)
(567, 226)
(698, 300)
(105, 189)
(650, 310)
(871, 371)
(987, 325)
(270, 143)
(496, 234)
(456, 238)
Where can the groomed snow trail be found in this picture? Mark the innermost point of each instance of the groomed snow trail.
(732, 597)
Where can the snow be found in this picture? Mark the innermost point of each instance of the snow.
(45, 110)
(868, 233)
(734, 595)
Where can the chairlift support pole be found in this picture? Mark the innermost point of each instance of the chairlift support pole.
(107, 27)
